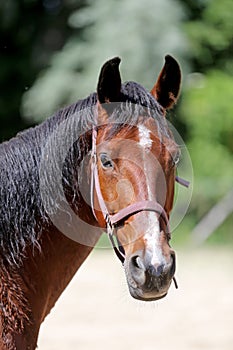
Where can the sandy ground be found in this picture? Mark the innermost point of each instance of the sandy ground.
(96, 311)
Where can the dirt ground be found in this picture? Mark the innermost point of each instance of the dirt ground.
(96, 311)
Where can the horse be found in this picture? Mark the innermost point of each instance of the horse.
(125, 161)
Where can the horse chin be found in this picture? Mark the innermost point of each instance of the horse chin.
(138, 294)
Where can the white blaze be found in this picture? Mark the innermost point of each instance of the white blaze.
(152, 239)
(152, 234)
(144, 137)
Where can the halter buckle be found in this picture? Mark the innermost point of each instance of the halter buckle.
(109, 225)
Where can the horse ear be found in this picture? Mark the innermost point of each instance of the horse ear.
(167, 87)
(109, 84)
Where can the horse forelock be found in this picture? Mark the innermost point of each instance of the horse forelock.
(137, 106)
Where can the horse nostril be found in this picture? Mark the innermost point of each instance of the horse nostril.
(137, 262)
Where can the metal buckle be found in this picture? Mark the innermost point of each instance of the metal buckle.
(109, 226)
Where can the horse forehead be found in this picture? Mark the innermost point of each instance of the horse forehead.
(152, 141)
(150, 131)
(145, 136)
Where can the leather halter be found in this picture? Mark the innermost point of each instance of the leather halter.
(112, 220)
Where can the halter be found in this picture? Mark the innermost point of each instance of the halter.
(112, 220)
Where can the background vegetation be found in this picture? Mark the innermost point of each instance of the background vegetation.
(51, 52)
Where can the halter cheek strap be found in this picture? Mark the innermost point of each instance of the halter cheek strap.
(112, 220)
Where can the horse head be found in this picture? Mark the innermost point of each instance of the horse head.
(135, 175)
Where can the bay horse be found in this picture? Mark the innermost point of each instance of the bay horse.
(125, 161)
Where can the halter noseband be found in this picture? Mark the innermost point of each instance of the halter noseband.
(112, 220)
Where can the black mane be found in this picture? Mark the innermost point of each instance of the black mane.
(22, 214)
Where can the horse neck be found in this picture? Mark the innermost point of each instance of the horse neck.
(43, 276)
(54, 266)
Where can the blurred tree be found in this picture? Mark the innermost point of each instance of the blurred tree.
(30, 31)
(210, 29)
(207, 109)
(141, 33)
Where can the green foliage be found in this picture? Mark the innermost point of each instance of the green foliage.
(223, 236)
(208, 112)
(30, 31)
(210, 104)
(211, 35)
(141, 33)
(207, 109)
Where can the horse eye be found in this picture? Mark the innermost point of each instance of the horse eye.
(106, 161)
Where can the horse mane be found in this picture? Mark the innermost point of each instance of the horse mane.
(22, 213)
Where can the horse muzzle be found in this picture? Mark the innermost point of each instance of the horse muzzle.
(147, 281)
